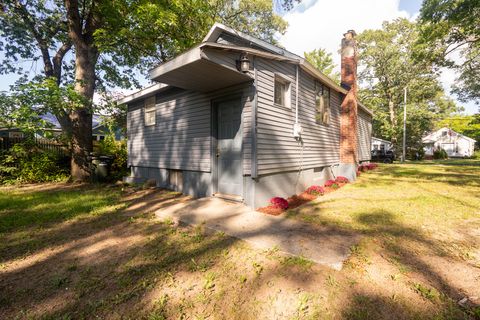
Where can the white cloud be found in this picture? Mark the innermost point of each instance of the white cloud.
(323, 24)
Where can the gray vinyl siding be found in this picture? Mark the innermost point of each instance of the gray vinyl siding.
(364, 126)
(277, 150)
(181, 138)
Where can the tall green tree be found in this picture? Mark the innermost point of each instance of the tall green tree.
(93, 44)
(451, 28)
(322, 60)
(388, 64)
(466, 125)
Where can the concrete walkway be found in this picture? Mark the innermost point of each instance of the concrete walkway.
(326, 246)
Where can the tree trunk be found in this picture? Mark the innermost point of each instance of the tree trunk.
(393, 120)
(81, 119)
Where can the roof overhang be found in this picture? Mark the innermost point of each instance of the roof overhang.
(142, 93)
(194, 71)
(217, 29)
(382, 140)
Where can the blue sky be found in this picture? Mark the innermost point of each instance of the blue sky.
(411, 6)
(311, 25)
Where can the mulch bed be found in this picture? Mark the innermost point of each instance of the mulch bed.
(297, 200)
(293, 202)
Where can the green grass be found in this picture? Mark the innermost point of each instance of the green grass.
(31, 216)
(19, 209)
(71, 252)
(402, 200)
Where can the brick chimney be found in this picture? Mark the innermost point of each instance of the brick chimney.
(348, 116)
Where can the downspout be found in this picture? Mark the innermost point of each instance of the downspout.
(297, 128)
(296, 95)
(254, 168)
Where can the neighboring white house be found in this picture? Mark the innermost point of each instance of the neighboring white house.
(380, 144)
(454, 143)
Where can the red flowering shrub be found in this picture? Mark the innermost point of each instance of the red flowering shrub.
(279, 202)
(367, 166)
(316, 190)
(331, 184)
(341, 179)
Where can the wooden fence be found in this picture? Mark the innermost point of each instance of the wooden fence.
(41, 143)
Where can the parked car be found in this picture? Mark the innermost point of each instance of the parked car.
(383, 156)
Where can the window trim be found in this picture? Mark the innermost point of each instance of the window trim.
(149, 107)
(327, 109)
(287, 93)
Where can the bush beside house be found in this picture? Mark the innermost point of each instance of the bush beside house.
(26, 163)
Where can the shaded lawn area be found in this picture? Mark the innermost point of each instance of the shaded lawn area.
(78, 251)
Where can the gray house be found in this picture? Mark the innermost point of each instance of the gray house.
(238, 118)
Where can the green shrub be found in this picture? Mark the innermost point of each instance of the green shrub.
(415, 153)
(118, 151)
(26, 163)
(440, 154)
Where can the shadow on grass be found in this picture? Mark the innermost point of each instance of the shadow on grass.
(407, 248)
(107, 261)
(110, 279)
(456, 175)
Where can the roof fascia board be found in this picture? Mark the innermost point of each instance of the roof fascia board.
(142, 93)
(218, 28)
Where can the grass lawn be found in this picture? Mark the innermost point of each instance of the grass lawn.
(78, 251)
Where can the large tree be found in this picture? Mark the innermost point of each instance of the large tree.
(322, 60)
(91, 44)
(389, 63)
(451, 29)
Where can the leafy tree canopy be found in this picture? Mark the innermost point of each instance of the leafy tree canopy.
(387, 66)
(87, 46)
(466, 125)
(322, 60)
(450, 26)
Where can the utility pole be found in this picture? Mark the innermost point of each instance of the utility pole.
(404, 123)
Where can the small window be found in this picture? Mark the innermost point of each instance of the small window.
(282, 92)
(150, 111)
(322, 103)
(444, 133)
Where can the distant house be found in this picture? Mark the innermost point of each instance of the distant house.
(12, 133)
(16, 133)
(380, 144)
(454, 143)
(100, 131)
(239, 118)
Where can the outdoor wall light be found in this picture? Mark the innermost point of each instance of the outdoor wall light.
(244, 63)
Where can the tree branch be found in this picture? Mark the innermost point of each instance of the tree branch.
(74, 20)
(58, 58)
(30, 22)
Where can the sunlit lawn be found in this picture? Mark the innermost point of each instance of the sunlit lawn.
(71, 252)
